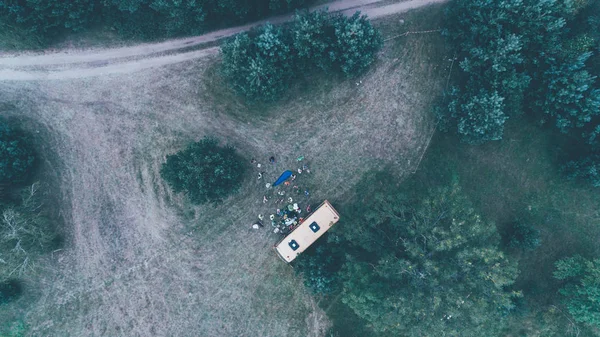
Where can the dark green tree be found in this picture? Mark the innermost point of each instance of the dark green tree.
(570, 95)
(319, 265)
(524, 237)
(502, 47)
(204, 171)
(49, 18)
(16, 155)
(427, 267)
(259, 66)
(586, 169)
(582, 288)
(356, 44)
(480, 117)
(156, 18)
(313, 40)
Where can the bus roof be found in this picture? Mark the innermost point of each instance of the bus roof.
(315, 225)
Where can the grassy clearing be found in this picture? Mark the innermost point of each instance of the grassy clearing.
(140, 261)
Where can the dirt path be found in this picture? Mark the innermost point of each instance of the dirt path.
(81, 64)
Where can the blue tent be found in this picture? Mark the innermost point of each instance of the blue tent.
(283, 177)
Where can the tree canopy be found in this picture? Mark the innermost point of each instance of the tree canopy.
(16, 155)
(258, 67)
(204, 171)
(582, 288)
(518, 56)
(427, 266)
(146, 19)
(262, 64)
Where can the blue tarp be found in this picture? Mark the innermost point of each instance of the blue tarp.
(283, 177)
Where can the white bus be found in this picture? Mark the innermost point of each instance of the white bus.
(306, 233)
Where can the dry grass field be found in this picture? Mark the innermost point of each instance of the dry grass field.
(140, 261)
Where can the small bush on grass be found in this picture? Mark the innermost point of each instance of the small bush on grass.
(204, 171)
(16, 155)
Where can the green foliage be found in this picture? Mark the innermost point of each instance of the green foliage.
(425, 266)
(517, 49)
(569, 95)
(47, 18)
(146, 19)
(16, 155)
(480, 117)
(586, 169)
(10, 290)
(261, 65)
(524, 237)
(16, 328)
(582, 290)
(258, 67)
(204, 171)
(156, 18)
(313, 35)
(25, 234)
(319, 266)
(356, 44)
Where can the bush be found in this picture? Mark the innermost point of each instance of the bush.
(319, 266)
(204, 171)
(10, 290)
(260, 66)
(16, 155)
(582, 289)
(524, 237)
(313, 39)
(356, 44)
(586, 169)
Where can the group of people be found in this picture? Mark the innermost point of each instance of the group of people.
(288, 213)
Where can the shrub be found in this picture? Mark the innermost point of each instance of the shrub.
(313, 39)
(524, 237)
(16, 155)
(10, 290)
(204, 171)
(586, 169)
(582, 289)
(356, 44)
(258, 67)
(319, 266)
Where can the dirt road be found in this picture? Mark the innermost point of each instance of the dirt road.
(96, 62)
